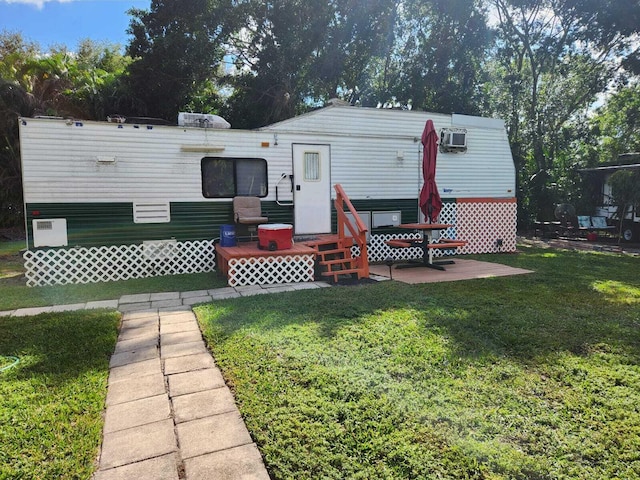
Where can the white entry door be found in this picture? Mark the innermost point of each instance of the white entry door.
(311, 189)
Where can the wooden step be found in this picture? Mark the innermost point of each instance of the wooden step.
(338, 261)
(334, 251)
(347, 271)
(345, 242)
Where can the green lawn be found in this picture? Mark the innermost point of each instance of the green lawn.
(51, 402)
(525, 377)
(15, 294)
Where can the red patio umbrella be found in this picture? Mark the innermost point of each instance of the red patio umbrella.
(430, 201)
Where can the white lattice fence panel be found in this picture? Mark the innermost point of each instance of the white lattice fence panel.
(63, 266)
(270, 270)
(482, 223)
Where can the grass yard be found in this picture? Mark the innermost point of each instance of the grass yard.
(15, 294)
(51, 402)
(525, 377)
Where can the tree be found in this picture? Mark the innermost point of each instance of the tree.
(552, 57)
(58, 83)
(293, 54)
(177, 46)
(96, 76)
(435, 62)
(617, 124)
(625, 192)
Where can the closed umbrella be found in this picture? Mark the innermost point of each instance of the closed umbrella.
(430, 201)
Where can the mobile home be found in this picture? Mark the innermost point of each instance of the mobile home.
(94, 184)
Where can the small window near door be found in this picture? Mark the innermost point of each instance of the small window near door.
(230, 177)
(311, 166)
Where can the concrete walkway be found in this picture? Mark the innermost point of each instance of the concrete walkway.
(169, 413)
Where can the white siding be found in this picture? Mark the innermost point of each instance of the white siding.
(365, 142)
(60, 160)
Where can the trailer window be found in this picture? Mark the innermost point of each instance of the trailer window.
(229, 177)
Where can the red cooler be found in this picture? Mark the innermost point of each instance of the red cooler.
(275, 236)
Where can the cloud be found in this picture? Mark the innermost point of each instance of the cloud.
(36, 3)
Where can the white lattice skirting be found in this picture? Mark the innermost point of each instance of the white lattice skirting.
(270, 270)
(63, 266)
(479, 223)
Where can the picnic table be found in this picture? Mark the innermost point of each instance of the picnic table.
(427, 244)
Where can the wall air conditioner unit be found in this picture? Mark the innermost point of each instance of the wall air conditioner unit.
(202, 120)
(453, 139)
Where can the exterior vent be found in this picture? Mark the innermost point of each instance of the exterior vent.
(156, 212)
(202, 120)
(44, 225)
(51, 232)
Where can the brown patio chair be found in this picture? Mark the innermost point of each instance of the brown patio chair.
(248, 211)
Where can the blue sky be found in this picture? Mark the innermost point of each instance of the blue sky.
(54, 22)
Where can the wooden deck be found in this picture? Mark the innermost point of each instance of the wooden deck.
(250, 250)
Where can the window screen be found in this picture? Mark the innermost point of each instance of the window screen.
(311, 166)
(229, 177)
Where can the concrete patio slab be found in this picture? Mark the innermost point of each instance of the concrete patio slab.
(212, 434)
(196, 300)
(138, 369)
(203, 404)
(222, 291)
(136, 298)
(27, 312)
(169, 318)
(137, 444)
(135, 388)
(136, 343)
(133, 356)
(135, 307)
(177, 309)
(251, 293)
(138, 412)
(159, 468)
(224, 296)
(68, 308)
(244, 462)
(6, 313)
(278, 289)
(137, 315)
(176, 302)
(194, 293)
(306, 286)
(101, 304)
(188, 363)
(179, 327)
(197, 381)
(148, 321)
(180, 337)
(182, 349)
(131, 333)
(164, 296)
(461, 270)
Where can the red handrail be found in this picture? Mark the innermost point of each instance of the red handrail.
(358, 232)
